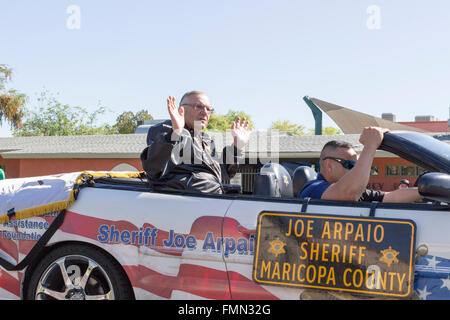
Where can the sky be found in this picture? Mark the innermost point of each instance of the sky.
(259, 56)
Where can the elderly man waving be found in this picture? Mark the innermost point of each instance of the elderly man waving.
(180, 155)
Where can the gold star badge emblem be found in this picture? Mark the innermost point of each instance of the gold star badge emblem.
(389, 256)
(277, 247)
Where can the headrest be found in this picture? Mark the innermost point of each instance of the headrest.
(274, 181)
(302, 175)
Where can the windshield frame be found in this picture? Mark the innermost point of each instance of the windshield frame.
(418, 148)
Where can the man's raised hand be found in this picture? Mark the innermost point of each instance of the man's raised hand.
(241, 132)
(176, 115)
(371, 137)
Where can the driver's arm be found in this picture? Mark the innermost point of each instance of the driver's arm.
(352, 184)
(406, 195)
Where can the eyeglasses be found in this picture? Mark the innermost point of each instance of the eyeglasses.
(199, 107)
(347, 164)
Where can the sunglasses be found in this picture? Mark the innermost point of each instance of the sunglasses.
(199, 107)
(347, 164)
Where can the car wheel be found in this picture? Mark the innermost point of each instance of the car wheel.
(78, 272)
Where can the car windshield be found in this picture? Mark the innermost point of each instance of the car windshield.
(433, 145)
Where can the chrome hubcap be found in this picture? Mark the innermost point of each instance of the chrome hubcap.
(74, 277)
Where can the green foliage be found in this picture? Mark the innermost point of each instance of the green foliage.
(223, 123)
(127, 122)
(327, 131)
(12, 103)
(330, 131)
(291, 128)
(299, 130)
(5, 75)
(56, 119)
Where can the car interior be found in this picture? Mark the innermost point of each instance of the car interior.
(273, 180)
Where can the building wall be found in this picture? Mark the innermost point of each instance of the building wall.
(12, 167)
(385, 182)
(20, 168)
(432, 126)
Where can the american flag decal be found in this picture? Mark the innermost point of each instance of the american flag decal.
(432, 278)
(183, 277)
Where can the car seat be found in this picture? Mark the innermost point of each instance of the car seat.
(302, 175)
(273, 180)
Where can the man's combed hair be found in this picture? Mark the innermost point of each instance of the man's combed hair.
(191, 93)
(333, 145)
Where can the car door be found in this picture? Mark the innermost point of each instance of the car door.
(166, 243)
(239, 244)
(348, 275)
(431, 256)
(432, 261)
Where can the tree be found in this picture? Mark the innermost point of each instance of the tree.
(330, 131)
(299, 130)
(291, 128)
(223, 123)
(127, 121)
(56, 119)
(326, 131)
(12, 103)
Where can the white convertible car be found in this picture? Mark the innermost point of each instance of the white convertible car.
(118, 239)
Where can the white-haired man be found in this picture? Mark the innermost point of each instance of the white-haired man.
(181, 155)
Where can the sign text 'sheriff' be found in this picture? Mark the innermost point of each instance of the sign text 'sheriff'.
(352, 254)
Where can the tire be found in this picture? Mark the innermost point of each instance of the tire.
(78, 272)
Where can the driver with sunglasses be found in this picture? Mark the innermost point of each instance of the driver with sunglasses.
(344, 174)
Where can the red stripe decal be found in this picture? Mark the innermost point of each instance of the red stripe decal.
(244, 289)
(197, 280)
(9, 283)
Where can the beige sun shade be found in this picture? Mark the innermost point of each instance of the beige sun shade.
(353, 122)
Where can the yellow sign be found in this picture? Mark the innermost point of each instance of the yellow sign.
(353, 254)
